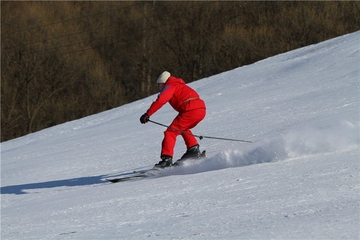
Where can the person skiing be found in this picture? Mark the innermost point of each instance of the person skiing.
(186, 101)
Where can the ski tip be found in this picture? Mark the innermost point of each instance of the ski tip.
(113, 180)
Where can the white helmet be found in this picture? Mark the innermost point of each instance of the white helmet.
(163, 77)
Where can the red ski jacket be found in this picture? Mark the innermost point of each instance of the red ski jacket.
(180, 96)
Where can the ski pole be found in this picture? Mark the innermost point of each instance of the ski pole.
(200, 137)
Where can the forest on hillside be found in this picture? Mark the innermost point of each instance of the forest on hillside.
(63, 60)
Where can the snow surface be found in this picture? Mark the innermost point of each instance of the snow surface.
(299, 179)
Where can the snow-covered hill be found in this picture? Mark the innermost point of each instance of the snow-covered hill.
(299, 179)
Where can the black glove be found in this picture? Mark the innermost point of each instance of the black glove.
(144, 118)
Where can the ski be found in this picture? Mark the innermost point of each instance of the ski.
(128, 178)
(135, 175)
(152, 172)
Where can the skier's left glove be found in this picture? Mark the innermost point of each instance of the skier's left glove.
(144, 118)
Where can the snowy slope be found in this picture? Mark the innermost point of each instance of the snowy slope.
(299, 179)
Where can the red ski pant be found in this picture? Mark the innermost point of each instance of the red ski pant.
(184, 122)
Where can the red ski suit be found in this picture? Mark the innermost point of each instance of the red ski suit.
(191, 111)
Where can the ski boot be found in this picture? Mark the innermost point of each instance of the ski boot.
(191, 153)
(166, 161)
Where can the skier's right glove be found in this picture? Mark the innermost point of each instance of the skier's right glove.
(144, 118)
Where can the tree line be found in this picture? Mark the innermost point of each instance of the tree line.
(61, 61)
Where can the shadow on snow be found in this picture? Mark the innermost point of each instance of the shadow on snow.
(82, 181)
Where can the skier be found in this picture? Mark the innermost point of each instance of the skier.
(192, 110)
